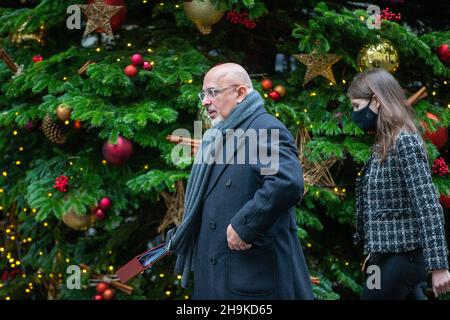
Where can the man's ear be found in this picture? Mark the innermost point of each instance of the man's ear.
(241, 94)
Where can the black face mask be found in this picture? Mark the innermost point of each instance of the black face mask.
(366, 119)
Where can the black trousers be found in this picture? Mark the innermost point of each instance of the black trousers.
(401, 276)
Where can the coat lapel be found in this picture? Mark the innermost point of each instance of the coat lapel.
(215, 177)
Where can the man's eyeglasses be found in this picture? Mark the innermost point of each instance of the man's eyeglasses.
(213, 92)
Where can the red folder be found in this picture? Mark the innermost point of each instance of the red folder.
(141, 262)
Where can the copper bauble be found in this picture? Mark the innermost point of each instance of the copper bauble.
(75, 221)
(63, 112)
(280, 89)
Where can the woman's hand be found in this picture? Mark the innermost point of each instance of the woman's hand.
(441, 281)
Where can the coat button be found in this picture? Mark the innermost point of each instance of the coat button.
(212, 225)
(228, 183)
(213, 260)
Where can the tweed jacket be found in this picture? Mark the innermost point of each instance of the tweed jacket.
(397, 205)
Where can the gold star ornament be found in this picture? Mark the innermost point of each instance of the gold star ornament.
(318, 65)
(99, 15)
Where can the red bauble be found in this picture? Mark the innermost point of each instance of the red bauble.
(12, 274)
(31, 125)
(274, 95)
(37, 58)
(445, 201)
(105, 203)
(119, 18)
(443, 52)
(439, 137)
(109, 294)
(147, 66)
(101, 287)
(131, 71)
(98, 297)
(136, 60)
(100, 214)
(119, 153)
(267, 84)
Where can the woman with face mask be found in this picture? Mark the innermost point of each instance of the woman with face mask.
(399, 220)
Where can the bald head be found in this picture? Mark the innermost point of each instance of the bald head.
(230, 73)
(225, 86)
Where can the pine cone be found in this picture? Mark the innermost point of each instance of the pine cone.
(53, 130)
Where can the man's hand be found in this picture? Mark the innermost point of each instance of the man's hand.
(234, 241)
(441, 281)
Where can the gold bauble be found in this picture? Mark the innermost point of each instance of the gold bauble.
(63, 112)
(280, 89)
(203, 14)
(380, 55)
(75, 221)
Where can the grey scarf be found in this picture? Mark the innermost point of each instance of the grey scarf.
(183, 242)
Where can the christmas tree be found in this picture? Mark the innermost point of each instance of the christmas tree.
(90, 91)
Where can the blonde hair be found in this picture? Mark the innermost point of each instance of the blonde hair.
(393, 115)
